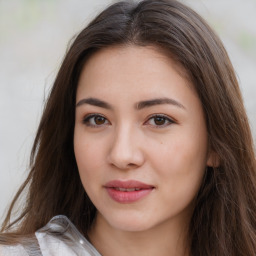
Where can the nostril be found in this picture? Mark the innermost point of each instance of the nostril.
(124, 166)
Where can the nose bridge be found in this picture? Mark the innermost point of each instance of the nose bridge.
(125, 151)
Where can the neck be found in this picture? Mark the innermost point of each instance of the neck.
(165, 239)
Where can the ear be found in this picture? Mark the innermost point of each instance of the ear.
(213, 159)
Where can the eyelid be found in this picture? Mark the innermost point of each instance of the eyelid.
(168, 118)
(87, 118)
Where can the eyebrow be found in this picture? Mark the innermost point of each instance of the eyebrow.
(159, 101)
(94, 102)
(140, 105)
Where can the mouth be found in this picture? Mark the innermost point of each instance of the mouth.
(128, 191)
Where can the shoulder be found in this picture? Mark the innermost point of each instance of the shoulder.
(43, 245)
(61, 237)
(12, 250)
(51, 245)
(58, 237)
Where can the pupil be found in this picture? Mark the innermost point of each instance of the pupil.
(99, 120)
(159, 120)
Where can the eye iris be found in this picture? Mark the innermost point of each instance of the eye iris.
(99, 120)
(159, 120)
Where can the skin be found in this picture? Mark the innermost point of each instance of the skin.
(169, 153)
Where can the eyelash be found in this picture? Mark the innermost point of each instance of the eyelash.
(167, 120)
(88, 118)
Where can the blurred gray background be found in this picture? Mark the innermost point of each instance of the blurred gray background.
(34, 35)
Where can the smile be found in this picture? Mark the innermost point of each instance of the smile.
(128, 191)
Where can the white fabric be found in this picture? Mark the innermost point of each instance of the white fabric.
(58, 237)
(16, 250)
(52, 246)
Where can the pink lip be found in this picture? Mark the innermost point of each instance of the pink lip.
(115, 187)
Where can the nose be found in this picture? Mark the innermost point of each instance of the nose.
(125, 150)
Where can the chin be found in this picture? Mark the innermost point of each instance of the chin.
(130, 224)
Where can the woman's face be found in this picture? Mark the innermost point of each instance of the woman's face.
(140, 138)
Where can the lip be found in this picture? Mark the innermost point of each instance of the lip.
(128, 191)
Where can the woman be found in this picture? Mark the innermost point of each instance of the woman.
(144, 145)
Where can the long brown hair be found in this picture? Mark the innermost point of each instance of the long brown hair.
(224, 219)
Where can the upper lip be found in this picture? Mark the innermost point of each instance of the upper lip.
(128, 184)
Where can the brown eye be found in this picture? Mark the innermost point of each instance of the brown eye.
(95, 120)
(159, 121)
(99, 120)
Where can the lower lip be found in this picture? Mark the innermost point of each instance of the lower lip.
(128, 196)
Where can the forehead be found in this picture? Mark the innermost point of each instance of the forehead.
(131, 69)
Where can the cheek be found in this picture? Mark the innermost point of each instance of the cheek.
(180, 174)
(88, 158)
(180, 155)
(88, 163)
(180, 163)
